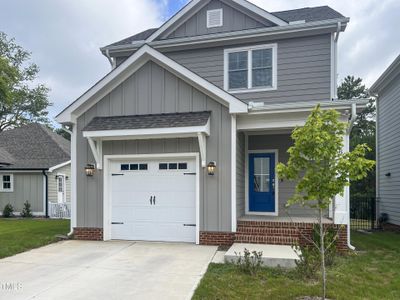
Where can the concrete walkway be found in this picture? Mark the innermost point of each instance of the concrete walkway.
(105, 270)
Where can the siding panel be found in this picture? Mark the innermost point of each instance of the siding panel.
(304, 71)
(388, 152)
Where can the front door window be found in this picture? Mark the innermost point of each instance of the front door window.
(262, 182)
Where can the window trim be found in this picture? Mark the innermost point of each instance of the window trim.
(249, 50)
(221, 12)
(11, 189)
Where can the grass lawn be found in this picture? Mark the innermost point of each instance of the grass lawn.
(17, 235)
(372, 273)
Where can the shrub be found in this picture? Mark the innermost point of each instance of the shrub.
(8, 211)
(250, 263)
(26, 211)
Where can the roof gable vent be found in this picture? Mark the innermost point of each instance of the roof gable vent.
(214, 18)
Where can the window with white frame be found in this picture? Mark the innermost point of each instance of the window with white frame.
(7, 184)
(251, 68)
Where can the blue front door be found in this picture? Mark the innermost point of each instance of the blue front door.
(262, 182)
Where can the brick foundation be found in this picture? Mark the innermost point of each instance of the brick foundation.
(215, 238)
(88, 234)
(264, 232)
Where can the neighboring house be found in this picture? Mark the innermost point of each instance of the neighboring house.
(387, 90)
(35, 166)
(217, 89)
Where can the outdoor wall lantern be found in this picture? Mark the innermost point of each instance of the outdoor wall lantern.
(211, 167)
(388, 174)
(89, 170)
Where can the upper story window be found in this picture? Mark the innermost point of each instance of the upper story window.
(251, 69)
(215, 18)
(7, 184)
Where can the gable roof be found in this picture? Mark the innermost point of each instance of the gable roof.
(165, 120)
(386, 78)
(134, 63)
(308, 14)
(32, 146)
(196, 5)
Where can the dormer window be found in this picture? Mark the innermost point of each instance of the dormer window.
(215, 18)
(251, 69)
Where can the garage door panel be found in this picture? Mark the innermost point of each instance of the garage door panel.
(163, 220)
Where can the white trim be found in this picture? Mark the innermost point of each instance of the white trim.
(249, 50)
(203, 148)
(74, 177)
(130, 66)
(250, 6)
(247, 152)
(233, 35)
(332, 65)
(11, 189)
(107, 203)
(221, 15)
(147, 133)
(97, 149)
(59, 166)
(233, 172)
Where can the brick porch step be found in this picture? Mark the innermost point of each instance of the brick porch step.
(266, 239)
(275, 231)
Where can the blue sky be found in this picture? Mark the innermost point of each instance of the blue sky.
(64, 36)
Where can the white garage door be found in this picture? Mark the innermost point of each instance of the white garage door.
(153, 200)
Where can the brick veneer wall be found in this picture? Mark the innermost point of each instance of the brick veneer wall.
(89, 234)
(216, 238)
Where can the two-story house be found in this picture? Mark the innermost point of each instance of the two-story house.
(179, 142)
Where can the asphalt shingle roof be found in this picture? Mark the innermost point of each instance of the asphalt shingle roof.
(32, 146)
(149, 121)
(309, 14)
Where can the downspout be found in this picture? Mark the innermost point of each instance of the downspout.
(46, 192)
(351, 124)
(335, 67)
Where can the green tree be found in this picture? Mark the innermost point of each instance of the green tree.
(363, 132)
(21, 100)
(351, 88)
(319, 167)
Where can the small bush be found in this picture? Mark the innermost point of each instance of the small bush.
(27, 210)
(250, 263)
(8, 211)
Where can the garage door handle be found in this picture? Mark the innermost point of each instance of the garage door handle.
(117, 174)
(189, 225)
(189, 173)
(151, 200)
(117, 223)
(154, 200)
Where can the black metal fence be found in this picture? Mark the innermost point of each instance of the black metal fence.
(363, 212)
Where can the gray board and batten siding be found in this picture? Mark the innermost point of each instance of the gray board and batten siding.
(153, 90)
(234, 19)
(27, 187)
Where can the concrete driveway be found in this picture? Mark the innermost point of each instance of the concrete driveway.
(105, 270)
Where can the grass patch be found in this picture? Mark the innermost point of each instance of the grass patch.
(371, 273)
(19, 235)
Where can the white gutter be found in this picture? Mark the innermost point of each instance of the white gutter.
(107, 54)
(351, 123)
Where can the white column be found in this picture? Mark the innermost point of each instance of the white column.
(342, 203)
(233, 171)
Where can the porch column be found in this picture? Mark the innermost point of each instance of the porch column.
(233, 171)
(342, 203)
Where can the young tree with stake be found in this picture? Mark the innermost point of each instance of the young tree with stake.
(320, 168)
